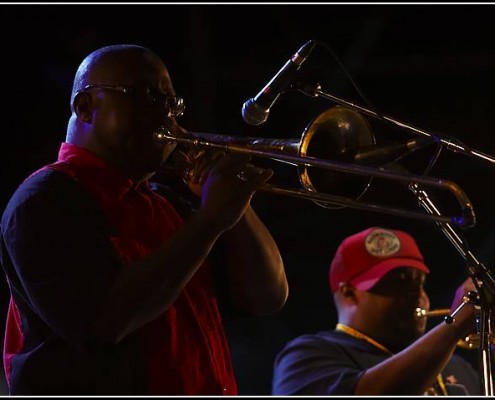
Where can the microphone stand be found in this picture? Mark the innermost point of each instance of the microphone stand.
(484, 283)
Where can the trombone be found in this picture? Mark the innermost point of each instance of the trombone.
(337, 127)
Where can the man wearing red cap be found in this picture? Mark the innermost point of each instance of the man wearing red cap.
(379, 345)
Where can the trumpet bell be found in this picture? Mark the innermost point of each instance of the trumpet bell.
(470, 342)
(336, 134)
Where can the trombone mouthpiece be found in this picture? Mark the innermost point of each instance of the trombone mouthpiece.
(162, 135)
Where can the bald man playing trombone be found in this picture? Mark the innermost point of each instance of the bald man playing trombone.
(379, 345)
(113, 292)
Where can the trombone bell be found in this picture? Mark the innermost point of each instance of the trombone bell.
(335, 134)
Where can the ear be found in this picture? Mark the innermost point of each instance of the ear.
(83, 106)
(347, 292)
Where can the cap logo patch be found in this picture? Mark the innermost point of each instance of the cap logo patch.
(382, 243)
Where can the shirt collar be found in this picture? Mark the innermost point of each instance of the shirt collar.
(97, 171)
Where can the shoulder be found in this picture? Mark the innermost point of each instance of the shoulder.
(329, 345)
(310, 342)
(44, 191)
(44, 182)
(315, 364)
(327, 337)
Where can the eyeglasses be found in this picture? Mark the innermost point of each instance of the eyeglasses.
(173, 105)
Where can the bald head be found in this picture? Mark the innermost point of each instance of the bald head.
(110, 64)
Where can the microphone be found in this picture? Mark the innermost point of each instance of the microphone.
(383, 154)
(255, 110)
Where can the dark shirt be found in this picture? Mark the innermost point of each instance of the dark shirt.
(66, 233)
(332, 363)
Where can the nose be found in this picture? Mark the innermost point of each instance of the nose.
(424, 300)
(415, 294)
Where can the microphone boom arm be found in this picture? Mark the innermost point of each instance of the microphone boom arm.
(449, 143)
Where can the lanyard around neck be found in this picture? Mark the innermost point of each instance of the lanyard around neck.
(358, 335)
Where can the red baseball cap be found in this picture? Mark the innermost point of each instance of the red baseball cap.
(365, 257)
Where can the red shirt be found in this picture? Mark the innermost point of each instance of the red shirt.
(184, 350)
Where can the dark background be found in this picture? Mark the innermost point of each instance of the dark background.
(431, 66)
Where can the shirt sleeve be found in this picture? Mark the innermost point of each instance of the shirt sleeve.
(57, 255)
(312, 366)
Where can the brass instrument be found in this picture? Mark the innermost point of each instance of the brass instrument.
(470, 342)
(441, 312)
(338, 130)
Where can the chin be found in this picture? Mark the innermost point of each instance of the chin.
(416, 332)
(411, 331)
(148, 154)
(152, 161)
